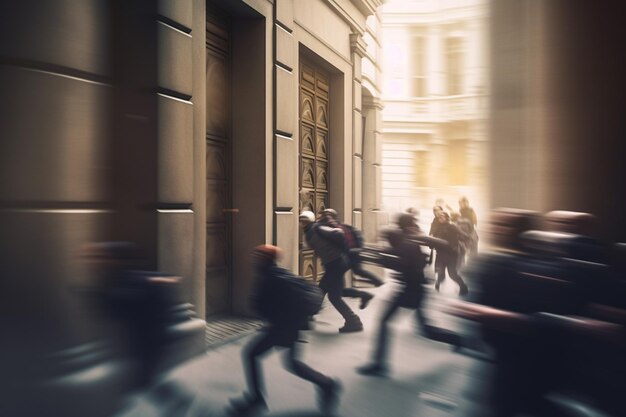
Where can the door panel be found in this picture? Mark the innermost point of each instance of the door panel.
(314, 154)
(218, 166)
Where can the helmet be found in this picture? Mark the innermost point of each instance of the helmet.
(307, 216)
(330, 212)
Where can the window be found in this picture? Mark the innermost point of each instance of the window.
(418, 66)
(454, 65)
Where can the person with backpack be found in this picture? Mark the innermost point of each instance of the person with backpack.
(408, 261)
(354, 245)
(328, 243)
(285, 302)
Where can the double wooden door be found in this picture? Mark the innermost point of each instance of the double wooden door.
(314, 157)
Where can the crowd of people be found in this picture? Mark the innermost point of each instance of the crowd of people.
(548, 298)
(340, 247)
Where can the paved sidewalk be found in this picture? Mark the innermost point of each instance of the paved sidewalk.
(427, 378)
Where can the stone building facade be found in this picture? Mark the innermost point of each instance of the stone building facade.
(434, 121)
(196, 129)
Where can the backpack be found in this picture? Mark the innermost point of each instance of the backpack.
(306, 298)
(357, 236)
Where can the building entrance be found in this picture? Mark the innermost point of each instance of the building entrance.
(218, 165)
(314, 154)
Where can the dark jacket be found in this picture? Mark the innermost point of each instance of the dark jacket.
(409, 265)
(451, 234)
(327, 242)
(434, 227)
(273, 300)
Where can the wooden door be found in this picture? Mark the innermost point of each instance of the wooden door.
(218, 165)
(314, 154)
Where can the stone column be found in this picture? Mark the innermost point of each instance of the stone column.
(358, 50)
(436, 65)
(373, 216)
(286, 169)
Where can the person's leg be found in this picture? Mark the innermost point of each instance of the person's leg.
(299, 368)
(460, 262)
(355, 293)
(252, 351)
(382, 344)
(440, 270)
(357, 269)
(328, 394)
(333, 283)
(454, 275)
(420, 317)
(379, 366)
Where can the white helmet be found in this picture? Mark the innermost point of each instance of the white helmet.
(308, 216)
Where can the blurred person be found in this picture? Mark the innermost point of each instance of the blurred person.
(440, 202)
(279, 297)
(448, 260)
(136, 299)
(328, 217)
(354, 246)
(519, 280)
(328, 243)
(408, 260)
(465, 245)
(413, 211)
(467, 212)
(434, 226)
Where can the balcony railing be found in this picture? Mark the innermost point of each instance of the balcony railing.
(437, 109)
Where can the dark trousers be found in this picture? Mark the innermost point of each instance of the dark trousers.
(382, 339)
(357, 268)
(413, 300)
(264, 342)
(333, 285)
(449, 262)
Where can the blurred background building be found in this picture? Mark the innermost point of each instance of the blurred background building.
(436, 106)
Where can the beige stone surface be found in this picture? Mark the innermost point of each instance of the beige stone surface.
(175, 150)
(180, 11)
(174, 66)
(286, 170)
(175, 249)
(285, 98)
(53, 128)
(287, 237)
(70, 33)
(284, 12)
(285, 48)
(358, 183)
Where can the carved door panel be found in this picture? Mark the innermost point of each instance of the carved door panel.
(218, 166)
(314, 154)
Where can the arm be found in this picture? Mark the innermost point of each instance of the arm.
(432, 242)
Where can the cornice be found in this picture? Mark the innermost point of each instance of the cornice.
(367, 7)
(358, 45)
